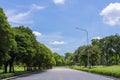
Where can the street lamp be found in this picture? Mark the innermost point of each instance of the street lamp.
(88, 61)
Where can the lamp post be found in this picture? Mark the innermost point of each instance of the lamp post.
(88, 61)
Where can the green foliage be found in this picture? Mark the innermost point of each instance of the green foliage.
(19, 45)
(110, 47)
(69, 58)
(24, 39)
(59, 59)
(105, 51)
(66, 60)
(31, 52)
(6, 37)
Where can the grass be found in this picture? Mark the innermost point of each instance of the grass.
(104, 70)
(18, 71)
(7, 75)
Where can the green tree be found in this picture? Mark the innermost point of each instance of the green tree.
(6, 39)
(25, 41)
(77, 53)
(94, 53)
(12, 53)
(115, 42)
(69, 58)
(59, 59)
(83, 56)
(110, 48)
(43, 57)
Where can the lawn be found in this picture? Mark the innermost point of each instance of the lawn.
(18, 71)
(105, 70)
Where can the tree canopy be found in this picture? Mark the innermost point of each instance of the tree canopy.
(19, 45)
(105, 51)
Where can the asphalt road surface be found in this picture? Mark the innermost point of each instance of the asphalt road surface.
(64, 74)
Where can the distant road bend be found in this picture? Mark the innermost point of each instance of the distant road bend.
(64, 74)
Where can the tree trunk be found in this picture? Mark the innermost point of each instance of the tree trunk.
(116, 58)
(35, 68)
(24, 68)
(85, 64)
(13, 69)
(101, 59)
(5, 67)
(11, 66)
(27, 68)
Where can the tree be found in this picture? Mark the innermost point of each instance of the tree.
(82, 54)
(77, 53)
(25, 40)
(12, 53)
(19, 44)
(69, 58)
(94, 53)
(116, 48)
(6, 39)
(110, 48)
(59, 59)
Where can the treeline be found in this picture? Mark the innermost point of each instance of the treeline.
(18, 45)
(66, 60)
(105, 51)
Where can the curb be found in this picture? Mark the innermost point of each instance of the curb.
(22, 75)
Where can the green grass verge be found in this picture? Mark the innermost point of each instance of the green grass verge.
(18, 71)
(7, 75)
(104, 70)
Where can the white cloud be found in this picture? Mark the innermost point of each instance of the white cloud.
(96, 37)
(57, 42)
(22, 17)
(37, 7)
(51, 37)
(59, 1)
(18, 17)
(55, 49)
(37, 34)
(111, 14)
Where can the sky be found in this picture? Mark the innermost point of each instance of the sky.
(54, 22)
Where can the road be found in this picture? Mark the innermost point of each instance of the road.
(64, 74)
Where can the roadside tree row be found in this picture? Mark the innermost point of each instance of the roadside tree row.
(19, 45)
(63, 60)
(105, 51)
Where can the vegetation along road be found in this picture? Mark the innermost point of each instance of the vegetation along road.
(64, 74)
(25, 50)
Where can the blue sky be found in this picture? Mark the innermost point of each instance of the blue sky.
(54, 21)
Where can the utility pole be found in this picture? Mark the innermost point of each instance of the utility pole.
(88, 60)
